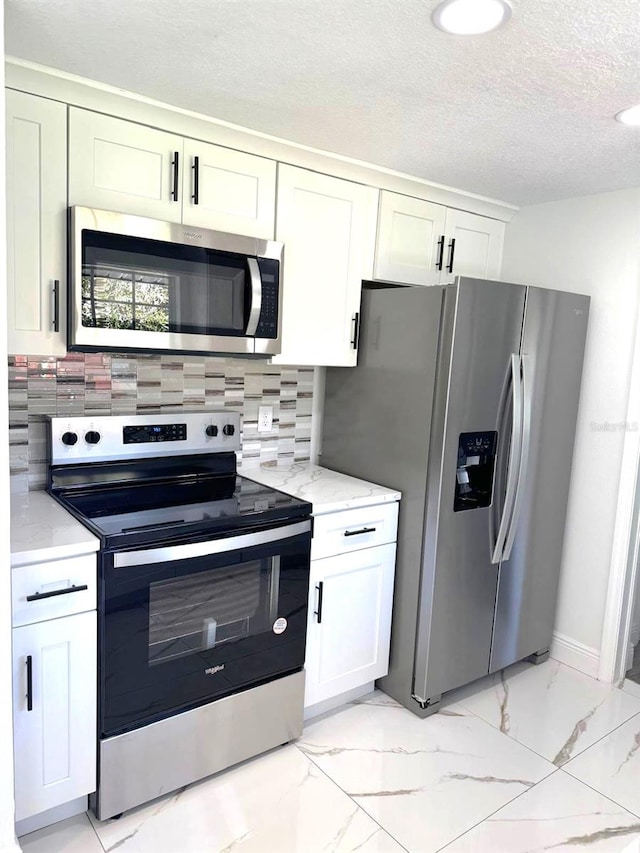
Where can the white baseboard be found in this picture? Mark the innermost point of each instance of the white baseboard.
(575, 654)
(46, 818)
(312, 711)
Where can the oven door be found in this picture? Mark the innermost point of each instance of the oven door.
(183, 624)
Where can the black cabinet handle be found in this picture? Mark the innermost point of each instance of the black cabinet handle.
(318, 612)
(440, 253)
(175, 163)
(355, 320)
(56, 306)
(196, 179)
(38, 595)
(359, 532)
(29, 683)
(452, 248)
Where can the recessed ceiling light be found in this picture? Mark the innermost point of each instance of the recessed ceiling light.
(471, 17)
(630, 116)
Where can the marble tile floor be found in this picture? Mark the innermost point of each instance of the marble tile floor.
(534, 759)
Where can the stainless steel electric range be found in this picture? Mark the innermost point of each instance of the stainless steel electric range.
(203, 586)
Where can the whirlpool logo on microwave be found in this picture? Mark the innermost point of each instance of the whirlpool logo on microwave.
(192, 235)
(213, 669)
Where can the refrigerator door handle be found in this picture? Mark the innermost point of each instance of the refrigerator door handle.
(514, 460)
(524, 458)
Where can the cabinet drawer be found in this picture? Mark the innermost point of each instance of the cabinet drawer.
(352, 529)
(58, 587)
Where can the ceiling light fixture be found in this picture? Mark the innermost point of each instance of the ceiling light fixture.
(471, 17)
(629, 116)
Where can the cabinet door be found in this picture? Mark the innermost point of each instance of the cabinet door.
(477, 250)
(409, 245)
(348, 632)
(122, 166)
(327, 226)
(55, 741)
(36, 224)
(236, 192)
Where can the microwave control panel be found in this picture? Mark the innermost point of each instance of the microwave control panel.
(268, 322)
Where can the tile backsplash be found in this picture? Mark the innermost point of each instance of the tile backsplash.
(123, 384)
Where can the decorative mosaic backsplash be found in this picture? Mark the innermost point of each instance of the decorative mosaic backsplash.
(88, 384)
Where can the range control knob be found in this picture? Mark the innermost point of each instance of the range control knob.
(69, 438)
(92, 437)
(211, 430)
(228, 429)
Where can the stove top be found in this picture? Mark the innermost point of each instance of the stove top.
(142, 515)
(151, 480)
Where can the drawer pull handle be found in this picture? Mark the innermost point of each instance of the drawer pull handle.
(318, 612)
(29, 683)
(38, 595)
(359, 532)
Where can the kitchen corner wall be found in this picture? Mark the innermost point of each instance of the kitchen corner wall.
(122, 384)
(588, 245)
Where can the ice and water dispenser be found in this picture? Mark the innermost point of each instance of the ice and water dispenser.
(475, 469)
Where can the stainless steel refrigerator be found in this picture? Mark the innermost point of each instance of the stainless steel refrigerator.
(465, 399)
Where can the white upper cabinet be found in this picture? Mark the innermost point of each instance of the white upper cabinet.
(328, 229)
(410, 240)
(228, 190)
(122, 166)
(477, 250)
(420, 242)
(36, 224)
(127, 167)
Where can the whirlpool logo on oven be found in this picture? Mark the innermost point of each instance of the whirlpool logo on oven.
(213, 669)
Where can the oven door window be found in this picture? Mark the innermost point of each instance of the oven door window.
(200, 612)
(177, 634)
(152, 286)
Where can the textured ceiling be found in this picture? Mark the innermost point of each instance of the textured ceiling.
(524, 114)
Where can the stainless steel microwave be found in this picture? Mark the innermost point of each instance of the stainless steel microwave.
(139, 284)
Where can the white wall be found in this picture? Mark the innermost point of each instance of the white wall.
(7, 837)
(588, 245)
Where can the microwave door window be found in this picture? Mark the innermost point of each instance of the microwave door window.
(115, 297)
(226, 289)
(210, 301)
(146, 285)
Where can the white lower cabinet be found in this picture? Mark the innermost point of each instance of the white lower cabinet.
(350, 603)
(54, 712)
(54, 683)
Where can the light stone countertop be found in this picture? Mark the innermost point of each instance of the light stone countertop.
(42, 530)
(328, 491)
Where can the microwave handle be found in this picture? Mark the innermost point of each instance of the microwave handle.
(256, 297)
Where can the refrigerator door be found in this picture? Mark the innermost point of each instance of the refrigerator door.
(552, 352)
(377, 420)
(473, 406)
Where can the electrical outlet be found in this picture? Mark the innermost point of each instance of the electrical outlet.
(265, 418)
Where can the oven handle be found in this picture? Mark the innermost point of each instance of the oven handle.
(212, 546)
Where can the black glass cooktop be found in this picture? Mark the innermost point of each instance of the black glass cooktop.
(141, 513)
